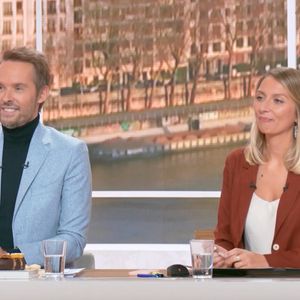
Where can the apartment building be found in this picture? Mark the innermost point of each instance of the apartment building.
(89, 40)
(15, 30)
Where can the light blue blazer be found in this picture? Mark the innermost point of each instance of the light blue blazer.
(54, 197)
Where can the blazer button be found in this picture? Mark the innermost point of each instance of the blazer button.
(275, 247)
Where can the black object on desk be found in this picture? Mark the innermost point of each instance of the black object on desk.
(177, 270)
(268, 272)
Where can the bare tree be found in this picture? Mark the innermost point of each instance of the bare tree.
(101, 34)
(229, 22)
(199, 34)
(132, 55)
(174, 35)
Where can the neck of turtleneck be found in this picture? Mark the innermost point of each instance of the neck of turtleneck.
(21, 134)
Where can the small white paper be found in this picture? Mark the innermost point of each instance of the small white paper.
(72, 272)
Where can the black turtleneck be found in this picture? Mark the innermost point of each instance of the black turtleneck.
(15, 149)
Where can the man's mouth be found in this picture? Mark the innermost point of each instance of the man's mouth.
(9, 109)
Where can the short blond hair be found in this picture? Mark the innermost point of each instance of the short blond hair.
(254, 152)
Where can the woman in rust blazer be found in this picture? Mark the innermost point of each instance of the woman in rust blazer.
(266, 173)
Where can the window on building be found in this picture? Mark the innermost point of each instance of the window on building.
(165, 11)
(270, 39)
(19, 7)
(51, 24)
(240, 26)
(250, 41)
(6, 44)
(19, 26)
(51, 7)
(62, 24)
(62, 6)
(7, 27)
(78, 33)
(216, 47)
(77, 3)
(7, 9)
(204, 48)
(78, 17)
(240, 42)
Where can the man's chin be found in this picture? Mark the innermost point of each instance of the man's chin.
(8, 123)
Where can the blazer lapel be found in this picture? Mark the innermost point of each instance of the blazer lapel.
(1, 154)
(247, 187)
(36, 156)
(287, 200)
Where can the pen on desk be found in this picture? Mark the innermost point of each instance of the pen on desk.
(156, 275)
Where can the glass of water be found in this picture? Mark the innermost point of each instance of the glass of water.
(54, 258)
(202, 252)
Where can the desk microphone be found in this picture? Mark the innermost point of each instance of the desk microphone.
(26, 165)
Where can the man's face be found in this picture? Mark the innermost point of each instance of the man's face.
(19, 102)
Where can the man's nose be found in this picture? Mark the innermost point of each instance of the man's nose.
(6, 95)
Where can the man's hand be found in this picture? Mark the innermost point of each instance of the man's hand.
(243, 259)
(2, 251)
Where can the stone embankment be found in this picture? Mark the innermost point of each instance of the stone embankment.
(119, 148)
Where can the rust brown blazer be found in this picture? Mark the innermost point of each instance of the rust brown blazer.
(239, 180)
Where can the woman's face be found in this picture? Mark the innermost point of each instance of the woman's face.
(275, 111)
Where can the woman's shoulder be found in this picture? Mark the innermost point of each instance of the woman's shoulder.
(237, 156)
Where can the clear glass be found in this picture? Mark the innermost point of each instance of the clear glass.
(202, 253)
(54, 258)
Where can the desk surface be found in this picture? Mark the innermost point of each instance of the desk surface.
(90, 286)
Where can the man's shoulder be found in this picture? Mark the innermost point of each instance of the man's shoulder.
(56, 137)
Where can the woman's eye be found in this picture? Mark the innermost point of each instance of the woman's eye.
(278, 101)
(259, 98)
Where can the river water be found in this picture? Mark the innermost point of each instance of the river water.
(156, 220)
(193, 170)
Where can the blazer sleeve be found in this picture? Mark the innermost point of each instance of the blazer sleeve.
(222, 232)
(75, 209)
(284, 259)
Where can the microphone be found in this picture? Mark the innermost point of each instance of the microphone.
(26, 165)
(252, 185)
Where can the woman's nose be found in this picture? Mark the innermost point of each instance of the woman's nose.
(265, 105)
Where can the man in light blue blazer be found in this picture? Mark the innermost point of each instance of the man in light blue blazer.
(45, 175)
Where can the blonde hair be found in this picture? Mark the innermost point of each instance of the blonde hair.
(254, 153)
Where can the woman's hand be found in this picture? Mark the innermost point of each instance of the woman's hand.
(243, 259)
(219, 257)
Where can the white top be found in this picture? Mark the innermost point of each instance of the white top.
(260, 225)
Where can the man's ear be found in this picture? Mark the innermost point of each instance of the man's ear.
(43, 94)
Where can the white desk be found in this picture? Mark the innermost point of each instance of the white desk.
(149, 289)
